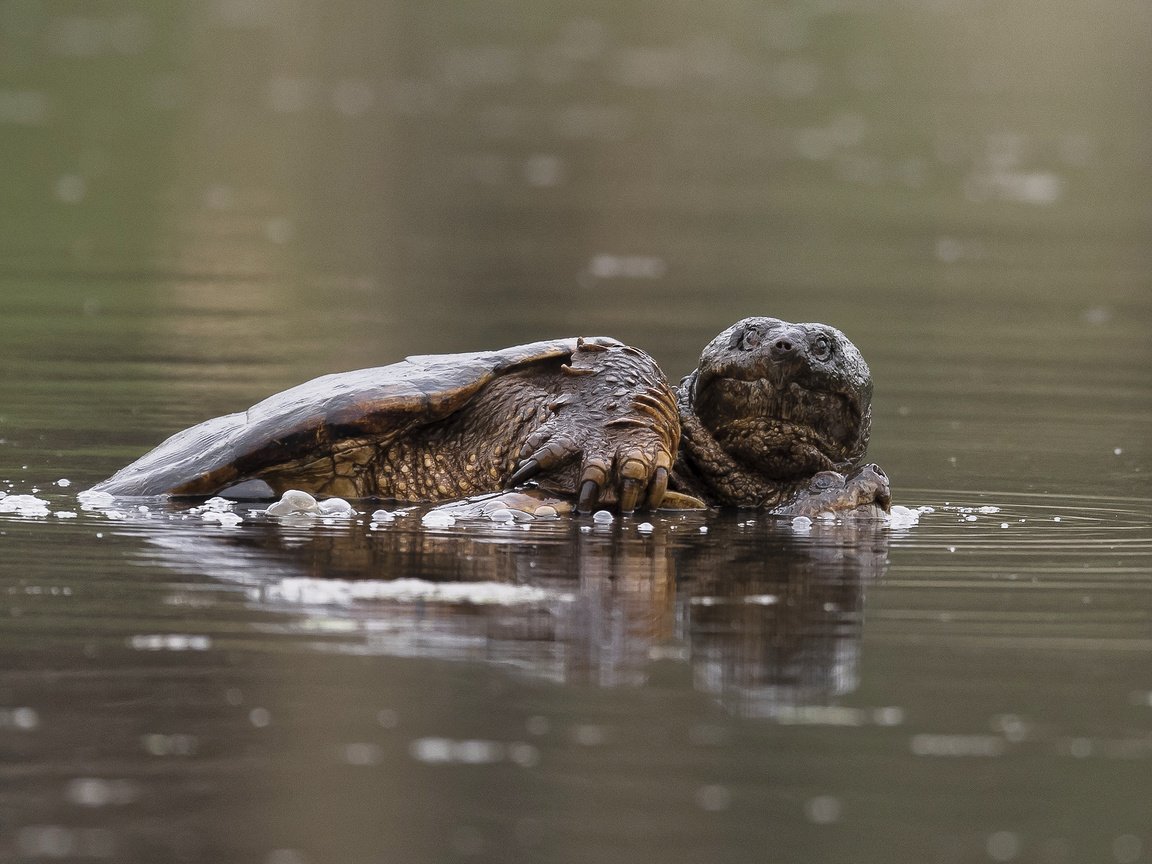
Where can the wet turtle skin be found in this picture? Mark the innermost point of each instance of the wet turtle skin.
(775, 416)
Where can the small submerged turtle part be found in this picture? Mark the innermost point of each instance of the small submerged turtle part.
(775, 416)
(829, 491)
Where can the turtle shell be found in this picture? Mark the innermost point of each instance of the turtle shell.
(312, 419)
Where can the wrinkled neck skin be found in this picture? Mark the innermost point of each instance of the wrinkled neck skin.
(721, 468)
(705, 469)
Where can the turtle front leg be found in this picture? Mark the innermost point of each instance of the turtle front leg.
(612, 433)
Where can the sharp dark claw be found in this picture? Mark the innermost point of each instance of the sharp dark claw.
(524, 473)
(629, 495)
(589, 496)
(658, 488)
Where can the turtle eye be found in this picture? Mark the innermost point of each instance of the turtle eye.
(821, 347)
(825, 480)
(745, 339)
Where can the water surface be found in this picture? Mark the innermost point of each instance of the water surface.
(206, 203)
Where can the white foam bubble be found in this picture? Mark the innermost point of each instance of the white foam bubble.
(92, 498)
(905, 517)
(336, 507)
(437, 519)
(226, 520)
(293, 502)
(24, 505)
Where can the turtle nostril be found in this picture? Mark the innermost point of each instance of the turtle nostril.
(783, 347)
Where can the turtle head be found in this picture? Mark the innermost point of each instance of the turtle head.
(785, 400)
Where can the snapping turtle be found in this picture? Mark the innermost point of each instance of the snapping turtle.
(775, 416)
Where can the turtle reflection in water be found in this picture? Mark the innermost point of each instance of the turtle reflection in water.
(765, 619)
(776, 416)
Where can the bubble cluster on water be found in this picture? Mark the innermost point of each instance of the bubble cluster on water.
(297, 503)
(23, 505)
(91, 499)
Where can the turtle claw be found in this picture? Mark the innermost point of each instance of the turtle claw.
(629, 494)
(541, 455)
(658, 488)
(620, 454)
(592, 480)
(589, 496)
(525, 472)
(633, 474)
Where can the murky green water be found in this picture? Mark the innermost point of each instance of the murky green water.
(201, 204)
